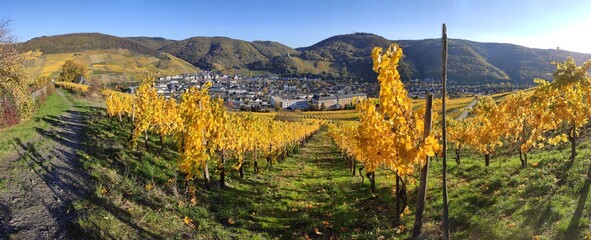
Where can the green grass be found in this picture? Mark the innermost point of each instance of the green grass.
(546, 200)
(313, 190)
(27, 130)
(310, 189)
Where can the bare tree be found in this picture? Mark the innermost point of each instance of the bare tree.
(8, 52)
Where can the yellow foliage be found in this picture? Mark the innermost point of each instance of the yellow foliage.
(73, 87)
(392, 135)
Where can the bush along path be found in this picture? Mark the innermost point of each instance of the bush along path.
(41, 178)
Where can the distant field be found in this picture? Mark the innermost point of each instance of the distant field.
(108, 64)
(455, 107)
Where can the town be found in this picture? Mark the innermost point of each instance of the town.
(273, 93)
(268, 93)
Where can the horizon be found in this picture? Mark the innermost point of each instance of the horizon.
(534, 24)
(304, 46)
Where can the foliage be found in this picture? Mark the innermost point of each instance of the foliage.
(40, 119)
(72, 72)
(80, 89)
(144, 108)
(488, 124)
(203, 127)
(78, 42)
(13, 77)
(9, 114)
(118, 103)
(394, 134)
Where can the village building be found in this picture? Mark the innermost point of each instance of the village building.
(325, 102)
(346, 99)
(290, 103)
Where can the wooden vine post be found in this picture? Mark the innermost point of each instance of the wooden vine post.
(444, 131)
(418, 225)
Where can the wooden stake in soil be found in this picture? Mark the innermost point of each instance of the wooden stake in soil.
(444, 131)
(416, 231)
(206, 167)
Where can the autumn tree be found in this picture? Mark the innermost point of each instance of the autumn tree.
(458, 134)
(529, 118)
(145, 110)
(571, 91)
(72, 71)
(395, 135)
(13, 84)
(488, 123)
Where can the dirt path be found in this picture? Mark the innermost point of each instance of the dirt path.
(42, 180)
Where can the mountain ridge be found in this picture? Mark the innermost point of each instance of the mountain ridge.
(344, 56)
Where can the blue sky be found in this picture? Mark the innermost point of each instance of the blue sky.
(298, 23)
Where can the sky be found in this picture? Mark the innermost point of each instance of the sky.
(300, 23)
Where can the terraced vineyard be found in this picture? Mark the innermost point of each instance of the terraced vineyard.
(108, 64)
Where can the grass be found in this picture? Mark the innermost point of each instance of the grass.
(546, 200)
(26, 131)
(138, 194)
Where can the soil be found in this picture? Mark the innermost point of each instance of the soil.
(41, 180)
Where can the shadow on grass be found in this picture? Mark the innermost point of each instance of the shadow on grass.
(106, 148)
(311, 189)
(574, 227)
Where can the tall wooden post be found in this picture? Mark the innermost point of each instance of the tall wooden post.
(206, 167)
(444, 131)
(222, 170)
(255, 163)
(422, 195)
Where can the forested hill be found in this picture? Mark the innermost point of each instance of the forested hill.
(348, 57)
(338, 57)
(226, 54)
(472, 61)
(78, 42)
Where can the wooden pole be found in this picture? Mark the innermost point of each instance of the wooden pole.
(444, 131)
(222, 170)
(206, 167)
(422, 195)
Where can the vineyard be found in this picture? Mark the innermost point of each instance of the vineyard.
(189, 168)
(400, 137)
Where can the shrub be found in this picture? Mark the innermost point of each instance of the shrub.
(9, 113)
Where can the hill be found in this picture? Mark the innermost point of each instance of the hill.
(106, 57)
(78, 42)
(338, 57)
(226, 54)
(351, 55)
(154, 43)
(488, 62)
(348, 57)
